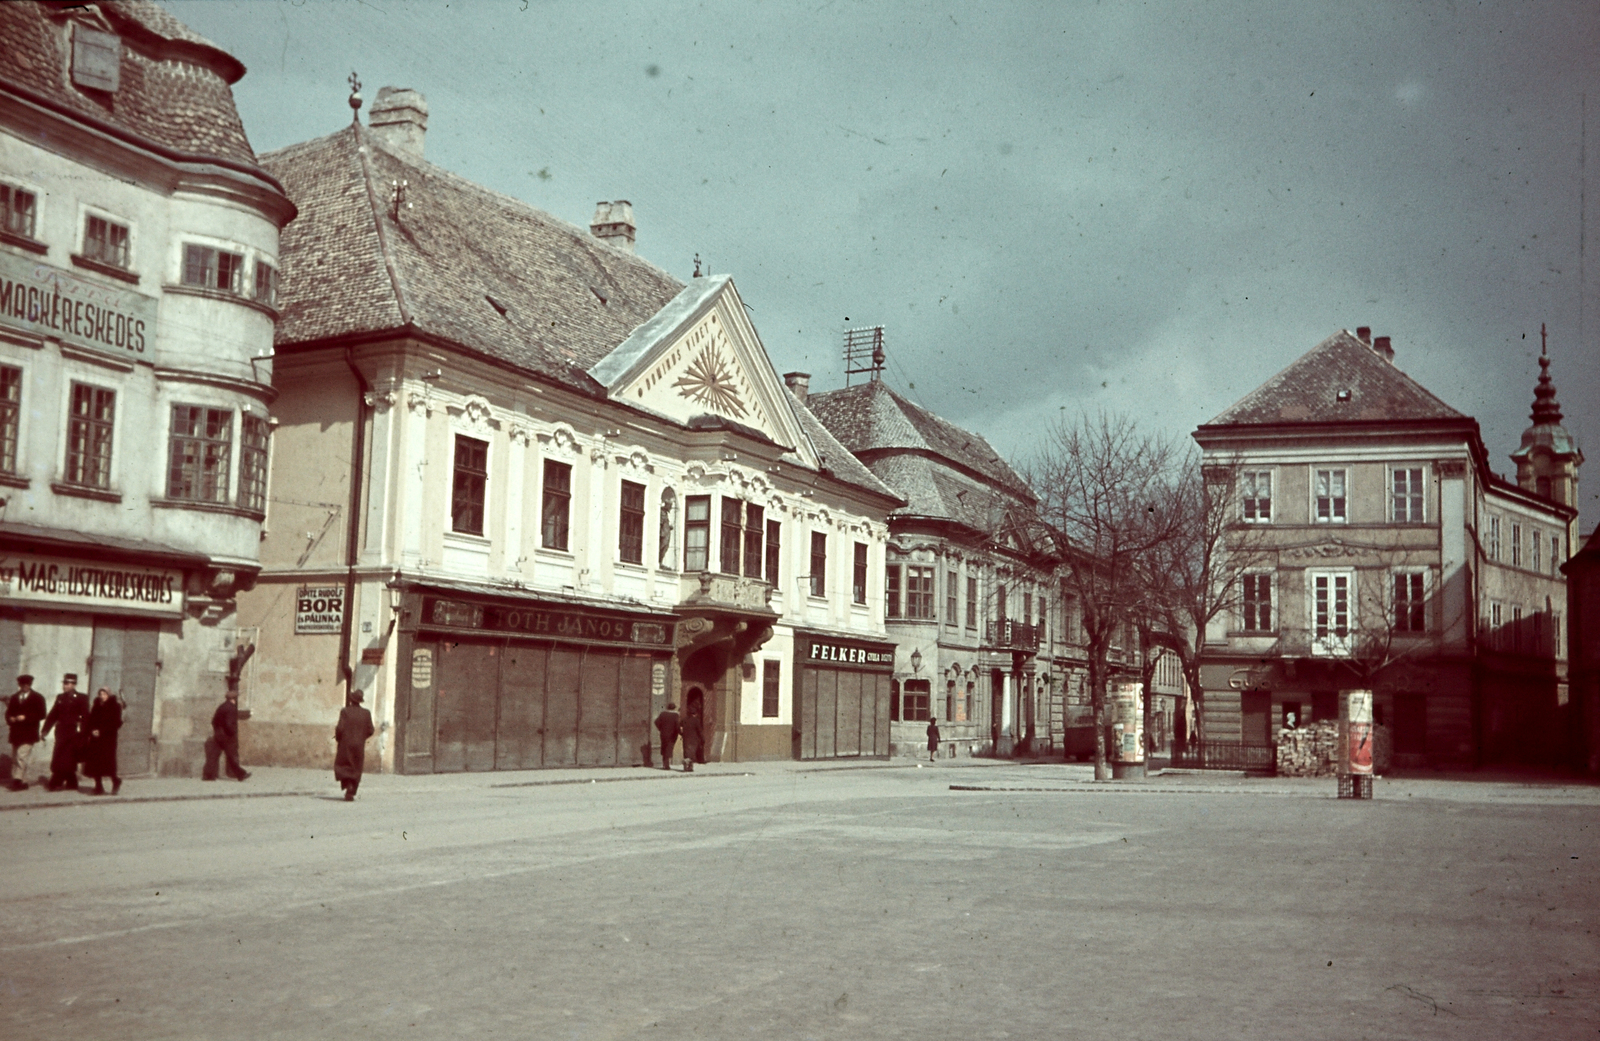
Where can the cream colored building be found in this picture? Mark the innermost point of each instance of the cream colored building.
(138, 258)
(527, 488)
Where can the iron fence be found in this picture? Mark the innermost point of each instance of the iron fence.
(1226, 755)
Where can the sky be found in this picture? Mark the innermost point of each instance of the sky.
(1051, 208)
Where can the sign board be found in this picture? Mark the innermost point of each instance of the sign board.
(318, 609)
(46, 300)
(817, 650)
(93, 585)
(542, 621)
(422, 668)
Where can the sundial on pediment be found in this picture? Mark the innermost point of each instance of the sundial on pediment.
(712, 379)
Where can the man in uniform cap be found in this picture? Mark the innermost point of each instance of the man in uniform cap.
(24, 713)
(66, 718)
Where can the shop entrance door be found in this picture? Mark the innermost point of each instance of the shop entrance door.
(124, 659)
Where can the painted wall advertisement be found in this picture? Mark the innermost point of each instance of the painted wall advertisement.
(318, 609)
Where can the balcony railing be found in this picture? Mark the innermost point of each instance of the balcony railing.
(1016, 636)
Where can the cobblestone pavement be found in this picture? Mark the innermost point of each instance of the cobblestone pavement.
(860, 900)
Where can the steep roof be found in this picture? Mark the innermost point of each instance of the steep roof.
(873, 421)
(1309, 391)
(174, 86)
(836, 458)
(454, 260)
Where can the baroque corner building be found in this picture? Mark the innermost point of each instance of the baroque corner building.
(138, 260)
(527, 488)
(1379, 550)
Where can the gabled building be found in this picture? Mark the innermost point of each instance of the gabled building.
(527, 488)
(1391, 557)
(138, 273)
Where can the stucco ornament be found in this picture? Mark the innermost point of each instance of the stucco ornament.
(381, 401)
(521, 434)
(561, 441)
(421, 401)
(477, 415)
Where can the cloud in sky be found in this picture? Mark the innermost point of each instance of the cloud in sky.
(1148, 208)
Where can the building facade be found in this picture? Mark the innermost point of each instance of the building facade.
(1386, 554)
(1583, 641)
(138, 261)
(528, 488)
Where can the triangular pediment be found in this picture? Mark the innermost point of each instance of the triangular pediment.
(701, 355)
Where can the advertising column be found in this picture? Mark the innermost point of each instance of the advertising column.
(1355, 744)
(1125, 743)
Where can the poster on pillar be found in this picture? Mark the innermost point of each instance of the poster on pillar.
(1125, 709)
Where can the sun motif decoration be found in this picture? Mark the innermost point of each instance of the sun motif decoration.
(709, 380)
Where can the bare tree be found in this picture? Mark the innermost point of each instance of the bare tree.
(1105, 487)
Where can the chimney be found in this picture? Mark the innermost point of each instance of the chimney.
(613, 223)
(799, 383)
(1364, 334)
(1381, 345)
(399, 118)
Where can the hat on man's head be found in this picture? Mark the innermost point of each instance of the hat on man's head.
(71, 677)
(356, 695)
(24, 680)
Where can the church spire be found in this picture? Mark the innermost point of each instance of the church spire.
(1548, 459)
(1545, 408)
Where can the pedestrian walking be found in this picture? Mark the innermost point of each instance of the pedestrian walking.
(350, 735)
(667, 724)
(66, 718)
(224, 740)
(100, 740)
(933, 739)
(24, 712)
(693, 733)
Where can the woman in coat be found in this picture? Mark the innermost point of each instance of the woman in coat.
(351, 733)
(100, 739)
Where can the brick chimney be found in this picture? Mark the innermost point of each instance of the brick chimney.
(613, 223)
(1382, 345)
(799, 383)
(399, 118)
(1364, 334)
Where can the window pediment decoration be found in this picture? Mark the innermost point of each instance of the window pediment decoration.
(477, 416)
(775, 504)
(421, 401)
(520, 434)
(561, 441)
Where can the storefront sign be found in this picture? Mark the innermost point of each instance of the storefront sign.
(61, 582)
(318, 609)
(542, 621)
(45, 300)
(838, 652)
(422, 668)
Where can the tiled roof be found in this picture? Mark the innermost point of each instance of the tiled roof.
(1308, 391)
(174, 85)
(872, 420)
(471, 266)
(836, 458)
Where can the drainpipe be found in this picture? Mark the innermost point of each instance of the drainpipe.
(358, 448)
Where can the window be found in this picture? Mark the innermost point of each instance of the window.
(93, 411)
(1000, 603)
(202, 443)
(1258, 603)
(1533, 557)
(891, 591)
(266, 283)
(914, 701)
(697, 533)
(1555, 553)
(469, 483)
(105, 242)
(754, 525)
(1256, 493)
(212, 268)
(253, 442)
(666, 552)
(774, 530)
(19, 210)
(1410, 615)
(1407, 498)
(858, 575)
(819, 563)
(1494, 538)
(1516, 627)
(10, 416)
(951, 588)
(732, 535)
(919, 592)
(972, 601)
(1330, 612)
(630, 525)
(557, 504)
(1516, 544)
(1330, 497)
(769, 689)
(1027, 607)
(1495, 617)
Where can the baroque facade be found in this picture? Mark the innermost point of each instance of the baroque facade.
(1386, 554)
(527, 488)
(138, 263)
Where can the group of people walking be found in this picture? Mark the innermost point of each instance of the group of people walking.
(690, 727)
(85, 735)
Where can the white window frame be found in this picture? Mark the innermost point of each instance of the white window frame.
(1494, 538)
(1249, 504)
(1516, 543)
(1420, 494)
(1332, 645)
(1272, 601)
(1342, 500)
(38, 207)
(1427, 594)
(81, 236)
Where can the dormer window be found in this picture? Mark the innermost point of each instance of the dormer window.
(96, 58)
(212, 268)
(1342, 396)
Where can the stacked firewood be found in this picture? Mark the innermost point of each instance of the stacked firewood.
(1313, 750)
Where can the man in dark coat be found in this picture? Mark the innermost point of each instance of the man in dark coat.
(100, 739)
(24, 712)
(693, 733)
(350, 735)
(667, 723)
(66, 719)
(933, 740)
(224, 740)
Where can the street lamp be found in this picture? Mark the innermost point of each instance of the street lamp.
(916, 659)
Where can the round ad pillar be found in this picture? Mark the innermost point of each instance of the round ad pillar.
(1355, 744)
(1125, 742)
